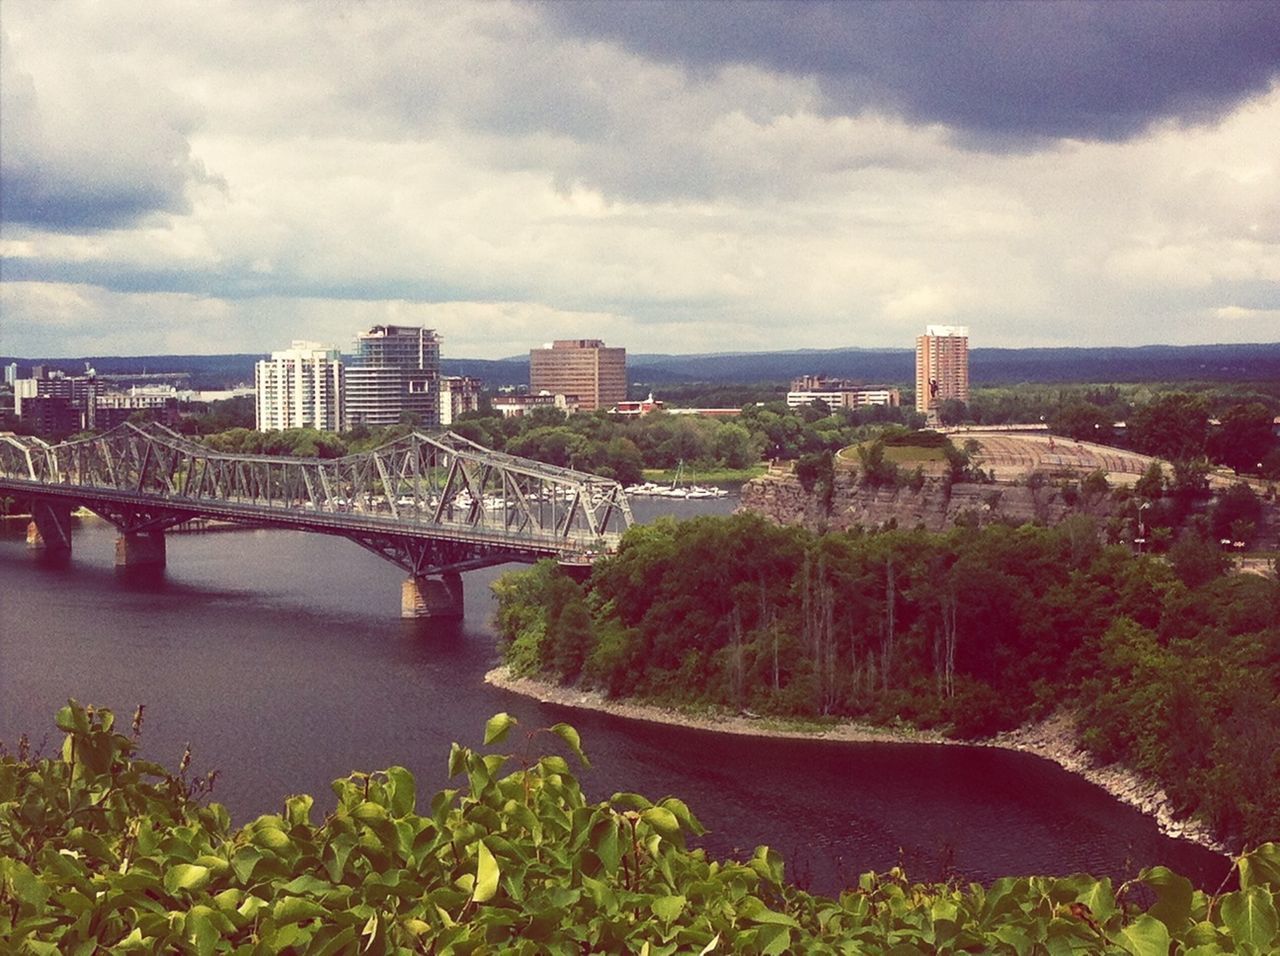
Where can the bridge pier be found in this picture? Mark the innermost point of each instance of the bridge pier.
(432, 598)
(50, 528)
(145, 549)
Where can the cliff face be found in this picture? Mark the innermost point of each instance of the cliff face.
(936, 505)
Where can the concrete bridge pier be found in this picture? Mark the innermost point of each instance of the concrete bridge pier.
(50, 529)
(144, 549)
(432, 598)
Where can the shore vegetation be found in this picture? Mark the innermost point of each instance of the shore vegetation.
(1170, 666)
(103, 852)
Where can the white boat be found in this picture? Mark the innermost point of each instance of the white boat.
(645, 490)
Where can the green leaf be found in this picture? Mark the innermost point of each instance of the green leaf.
(294, 909)
(1261, 867)
(1173, 897)
(271, 837)
(298, 809)
(487, 874)
(306, 885)
(604, 840)
(244, 861)
(687, 820)
(662, 820)
(570, 736)
(25, 885)
(668, 908)
(185, 876)
(130, 942)
(72, 718)
(404, 791)
(201, 932)
(369, 812)
(495, 731)
(457, 760)
(756, 912)
(1100, 898)
(1145, 936)
(1250, 915)
(773, 940)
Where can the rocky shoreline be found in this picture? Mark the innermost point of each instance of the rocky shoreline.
(1052, 739)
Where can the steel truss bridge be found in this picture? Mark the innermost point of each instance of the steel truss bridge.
(435, 505)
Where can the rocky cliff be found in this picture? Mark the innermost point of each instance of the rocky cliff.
(935, 504)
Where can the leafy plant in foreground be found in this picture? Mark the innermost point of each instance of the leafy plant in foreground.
(102, 852)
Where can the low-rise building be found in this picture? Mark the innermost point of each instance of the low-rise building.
(637, 409)
(458, 394)
(54, 404)
(839, 393)
(162, 403)
(516, 405)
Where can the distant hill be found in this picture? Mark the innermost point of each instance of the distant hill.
(1148, 363)
(206, 371)
(1151, 363)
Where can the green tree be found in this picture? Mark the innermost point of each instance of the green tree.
(952, 411)
(734, 446)
(1174, 426)
(877, 470)
(1237, 509)
(1244, 437)
(555, 445)
(623, 460)
(1082, 421)
(1151, 484)
(1196, 559)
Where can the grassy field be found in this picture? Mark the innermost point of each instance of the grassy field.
(707, 475)
(898, 454)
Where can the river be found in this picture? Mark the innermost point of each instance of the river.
(281, 658)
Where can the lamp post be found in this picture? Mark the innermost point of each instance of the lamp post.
(1141, 539)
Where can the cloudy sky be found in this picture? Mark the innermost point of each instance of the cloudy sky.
(213, 176)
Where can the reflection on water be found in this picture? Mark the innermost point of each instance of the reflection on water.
(281, 658)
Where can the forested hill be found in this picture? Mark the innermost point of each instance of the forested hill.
(1149, 363)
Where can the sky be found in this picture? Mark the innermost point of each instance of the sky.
(675, 177)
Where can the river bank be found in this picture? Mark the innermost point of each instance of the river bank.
(1054, 739)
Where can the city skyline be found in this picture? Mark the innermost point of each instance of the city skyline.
(684, 178)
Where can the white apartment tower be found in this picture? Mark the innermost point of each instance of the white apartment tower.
(942, 366)
(302, 386)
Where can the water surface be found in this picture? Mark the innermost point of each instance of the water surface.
(281, 658)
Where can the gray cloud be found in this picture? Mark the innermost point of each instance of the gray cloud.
(763, 175)
(89, 146)
(1001, 72)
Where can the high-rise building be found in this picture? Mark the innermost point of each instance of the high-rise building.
(11, 373)
(395, 377)
(582, 368)
(942, 366)
(300, 387)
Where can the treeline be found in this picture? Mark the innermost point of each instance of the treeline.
(103, 852)
(969, 632)
(596, 442)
